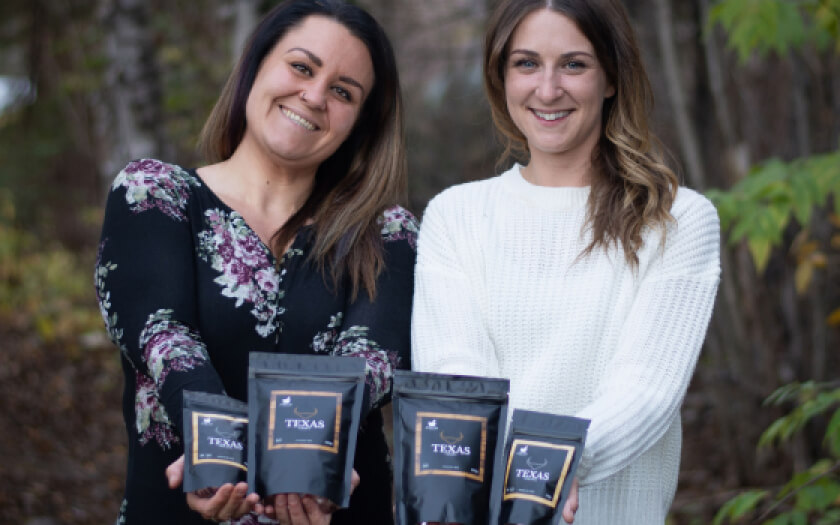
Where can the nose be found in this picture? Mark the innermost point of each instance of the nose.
(315, 95)
(550, 86)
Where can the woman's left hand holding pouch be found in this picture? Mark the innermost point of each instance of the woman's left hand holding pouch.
(298, 509)
(221, 504)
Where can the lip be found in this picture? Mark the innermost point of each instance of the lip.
(299, 119)
(551, 116)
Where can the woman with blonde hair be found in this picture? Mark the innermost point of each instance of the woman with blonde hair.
(289, 240)
(584, 273)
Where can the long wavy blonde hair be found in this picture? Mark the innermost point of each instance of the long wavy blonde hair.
(633, 188)
(366, 175)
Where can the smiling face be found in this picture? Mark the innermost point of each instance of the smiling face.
(307, 94)
(554, 86)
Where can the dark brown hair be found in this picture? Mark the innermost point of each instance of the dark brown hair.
(366, 175)
(632, 188)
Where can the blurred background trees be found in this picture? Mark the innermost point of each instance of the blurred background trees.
(748, 101)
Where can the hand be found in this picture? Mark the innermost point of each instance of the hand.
(296, 509)
(571, 506)
(226, 502)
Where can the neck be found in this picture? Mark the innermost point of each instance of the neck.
(569, 168)
(266, 186)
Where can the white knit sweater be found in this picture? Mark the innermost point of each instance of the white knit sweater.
(502, 290)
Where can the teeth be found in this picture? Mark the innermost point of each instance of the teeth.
(551, 116)
(297, 119)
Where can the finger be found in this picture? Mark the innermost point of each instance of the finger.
(175, 472)
(209, 507)
(231, 506)
(315, 511)
(571, 506)
(281, 509)
(354, 481)
(249, 504)
(297, 513)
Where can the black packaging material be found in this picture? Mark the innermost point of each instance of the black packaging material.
(304, 412)
(215, 432)
(541, 455)
(448, 435)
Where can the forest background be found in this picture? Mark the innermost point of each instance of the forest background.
(748, 101)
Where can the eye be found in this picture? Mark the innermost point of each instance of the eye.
(343, 93)
(575, 66)
(302, 68)
(525, 63)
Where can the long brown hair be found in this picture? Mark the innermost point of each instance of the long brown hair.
(366, 175)
(632, 188)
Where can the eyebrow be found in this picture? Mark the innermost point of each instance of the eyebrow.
(530, 53)
(318, 62)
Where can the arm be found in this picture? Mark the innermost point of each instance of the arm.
(448, 333)
(660, 340)
(379, 330)
(146, 290)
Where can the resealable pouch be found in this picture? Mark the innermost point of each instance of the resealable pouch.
(448, 435)
(304, 412)
(541, 456)
(215, 446)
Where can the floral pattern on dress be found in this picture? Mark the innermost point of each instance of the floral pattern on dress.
(381, 363)
(252, 519)
(170, 346)
(247, 273)
(167, 346)
(397, 224)
(322, 342)
(121, 515)
(151, 184)
(152, 421)
(101, 271)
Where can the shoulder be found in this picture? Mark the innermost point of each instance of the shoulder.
(467, 193)
(458, 203)
(397, 223)
(692, 241)
(153, 184)
(695, 214)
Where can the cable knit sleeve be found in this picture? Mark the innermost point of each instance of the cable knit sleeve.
(645, 381)
(448, 335)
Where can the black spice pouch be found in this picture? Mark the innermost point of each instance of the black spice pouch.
(448, 433)
(215, 432)
(304, 412)
(541, 456)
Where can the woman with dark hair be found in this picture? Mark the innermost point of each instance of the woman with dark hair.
(584, 273)
(289, 240)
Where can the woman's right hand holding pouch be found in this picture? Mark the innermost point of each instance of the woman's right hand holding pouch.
(224, 503)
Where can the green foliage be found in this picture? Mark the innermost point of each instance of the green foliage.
(813, 495)
(44, 290)
(778, 25)
(740, 505)
(760, 207)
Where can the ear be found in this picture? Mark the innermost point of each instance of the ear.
(610, 91)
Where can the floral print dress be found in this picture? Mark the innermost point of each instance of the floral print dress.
(187, 289)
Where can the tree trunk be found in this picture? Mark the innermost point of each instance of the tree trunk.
(689, 144)
(132, 119)
(245, 22)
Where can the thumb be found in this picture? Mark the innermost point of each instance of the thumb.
(175, 472)
(354, 480)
